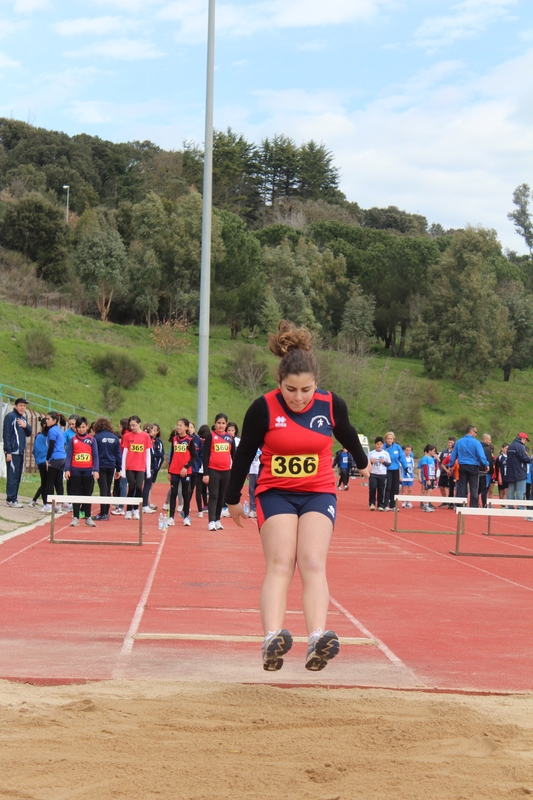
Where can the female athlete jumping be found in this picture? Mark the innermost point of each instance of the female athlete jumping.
(295, 492)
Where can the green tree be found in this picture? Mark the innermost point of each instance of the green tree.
(317, 177)
(145, 279)
(358, 319)
(463, 326)
(521, 216)
(520, 315)
(100, 261)
(235, 179)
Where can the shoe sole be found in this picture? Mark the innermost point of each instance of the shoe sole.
(280, 644)
(327, 647)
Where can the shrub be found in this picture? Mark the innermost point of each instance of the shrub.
(113, 397)
(40, 349)
(119, 369)
(248, 372)
(162, 368)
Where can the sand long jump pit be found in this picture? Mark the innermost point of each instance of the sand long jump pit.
(162, 739)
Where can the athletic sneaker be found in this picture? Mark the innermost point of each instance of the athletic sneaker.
(432, 506)
(200, 515)
(219, 526)
(67, 506)
(102, 517)
(170, 521)
(180, 508)
(127, 515)
(153, 506)
(31, 504)
(136, 513)
(14, 504)
(75, 522)
(428, 508)
(187, 521)
(47, 509)
(339, 488)
(275, 646)
(387, 508)
(252, 515)
(372, 508)
(408, 505)
(321, 648)
(148, 510)
(205, 508)
(118, 512)
(380, 509)
(165, 506)
(212, 526)
(90, 522)
(225, 512)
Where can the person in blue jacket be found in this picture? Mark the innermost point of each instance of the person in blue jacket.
(16, 432)
(40, 448)
(471, 456)
(345, 462)
(397, 458)
(55, 458)
(197, 484)
(517, 461)
(109, 460)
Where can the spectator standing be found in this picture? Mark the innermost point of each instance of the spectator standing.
(407, 475)
(528, 479)
(109, 460)
(16, 431)
(517, 461)
(55, 458)
(397, 459)
(471, 456)
(447, 477)
(501, 472)
(484, 476)
(40, 448)
(252, 482)
(345, 462)
(377, 482)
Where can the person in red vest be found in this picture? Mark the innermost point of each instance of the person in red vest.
(136, 460)
(219, 451)
(180, 459)
(81, 468)
(295, 493)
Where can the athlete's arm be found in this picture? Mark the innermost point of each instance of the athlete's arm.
(345, 432)
(254, 428)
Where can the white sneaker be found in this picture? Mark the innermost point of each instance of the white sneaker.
(15, 504)
(32, 504)
(225, 513)
(127, 515)
(252, 515)
(136, 513)
(165, 506)
(90, 522)
(148, 510)
(170, 521)
(118, 512)
(75, 522)
(187, 522)
(47, 509)
(200, 515)
(219, 526)
(212, 526)
(180, 508)
(67, 506)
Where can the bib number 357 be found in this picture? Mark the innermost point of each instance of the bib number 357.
(294, 466)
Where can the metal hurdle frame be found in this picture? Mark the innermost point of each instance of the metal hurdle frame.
(488, 512)
(497, 502)
(456, 501)
(111, 501)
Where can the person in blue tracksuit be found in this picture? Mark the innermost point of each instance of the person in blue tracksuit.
(16, 431)
(197, 485)
(40, 448)
(345, 462)
(55, 457)
(397, 459)
(471, 456)
(109, 460)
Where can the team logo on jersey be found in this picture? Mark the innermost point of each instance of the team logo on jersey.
(281, 422)
(331, 511)
(320, 421)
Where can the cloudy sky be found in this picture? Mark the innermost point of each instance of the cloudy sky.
(426, 104)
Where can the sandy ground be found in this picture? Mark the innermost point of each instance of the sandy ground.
(169, 740)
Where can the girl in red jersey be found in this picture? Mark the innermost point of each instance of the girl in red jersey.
(219, 450)
(180, 459)
(81, 468)
(295, 492)
(136, 460)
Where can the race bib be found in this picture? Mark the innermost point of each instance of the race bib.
(180, 448)
(82, 458)
(294, 466)
(222, 448)
(137, 448)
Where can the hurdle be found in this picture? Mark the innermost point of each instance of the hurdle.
(462, 513)
(498, 502)
(107, 501)
(456, 501)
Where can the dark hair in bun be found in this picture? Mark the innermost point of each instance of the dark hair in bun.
(293, 346)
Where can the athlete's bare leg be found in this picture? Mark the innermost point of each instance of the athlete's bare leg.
(279, 538)
(314, 536)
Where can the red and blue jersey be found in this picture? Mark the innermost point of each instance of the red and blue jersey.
(220, 455)
(296, 453)
(82, 454)
(180, 456)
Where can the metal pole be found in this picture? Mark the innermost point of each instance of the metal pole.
(66, 215)
(205, 269)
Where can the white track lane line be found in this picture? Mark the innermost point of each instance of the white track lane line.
(455, 559)
(127, 645)
(28, 547)
(380, 645)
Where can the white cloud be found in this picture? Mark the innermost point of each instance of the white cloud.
(467, 20)
(119, 50)
(96, 26)
(28, 6)
(247, 19)
(129, 6)
(100, 112)
(5, 61)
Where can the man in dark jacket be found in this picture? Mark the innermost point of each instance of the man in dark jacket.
(517, 461)
(16, 431)
(484, 476)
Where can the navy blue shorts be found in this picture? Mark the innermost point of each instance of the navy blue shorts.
(271, 503)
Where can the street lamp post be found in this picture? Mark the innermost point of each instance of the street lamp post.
(205, 268)
(66, 215)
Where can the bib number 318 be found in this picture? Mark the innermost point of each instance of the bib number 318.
(294, 466)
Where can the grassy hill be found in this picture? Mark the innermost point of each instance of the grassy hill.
(384, 392)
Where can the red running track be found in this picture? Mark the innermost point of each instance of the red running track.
(413, 615)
